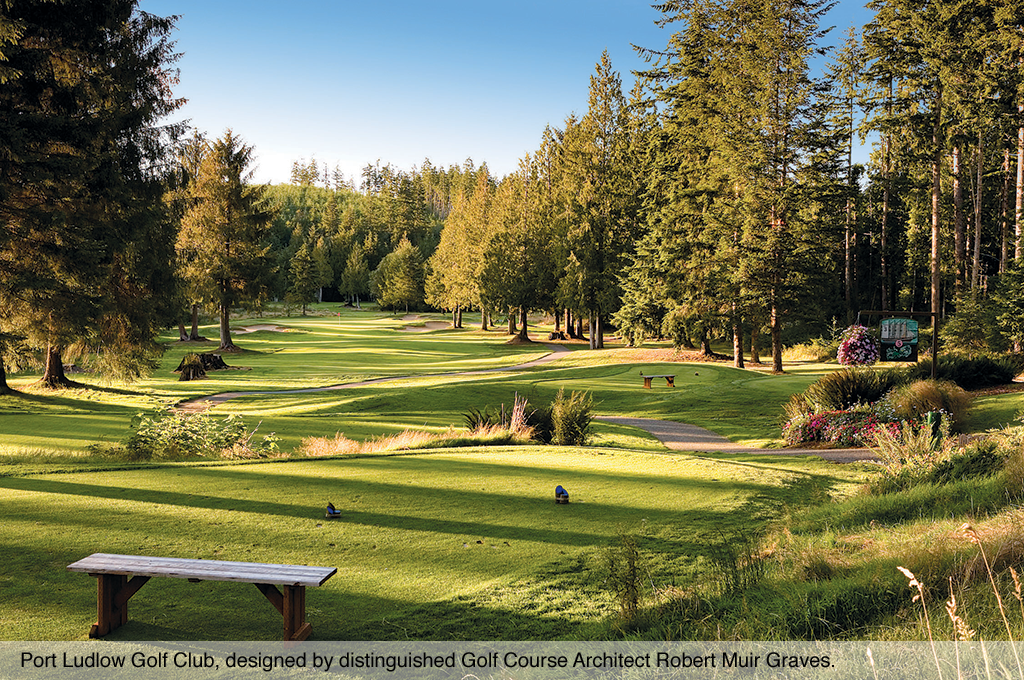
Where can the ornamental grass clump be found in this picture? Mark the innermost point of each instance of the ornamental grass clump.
(857, 347)
(913, 400)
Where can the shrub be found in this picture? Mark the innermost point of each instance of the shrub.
(542, 421)
(175, 435)
(971, 373)
(978, 459)
(849, 387)
(626, 570)
(912, 401)
(571, 417)
(857, 347)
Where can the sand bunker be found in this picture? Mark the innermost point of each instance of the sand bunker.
(425, 328)
(261, 327)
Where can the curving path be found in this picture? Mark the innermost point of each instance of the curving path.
(675, 436)
(683, 437)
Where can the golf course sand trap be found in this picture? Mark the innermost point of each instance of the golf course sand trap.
(425, 328)
(261, 327)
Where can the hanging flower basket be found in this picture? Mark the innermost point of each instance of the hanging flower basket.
(857, 347)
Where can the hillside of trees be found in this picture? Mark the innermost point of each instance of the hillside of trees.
(718, 198)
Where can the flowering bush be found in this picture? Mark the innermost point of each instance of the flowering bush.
(843, 428)
(857, 347)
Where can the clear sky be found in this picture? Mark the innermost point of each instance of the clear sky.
(348, 82)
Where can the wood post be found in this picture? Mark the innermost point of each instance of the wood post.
(112, 594)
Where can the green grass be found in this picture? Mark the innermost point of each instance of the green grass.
(321, 351)
(459, 533)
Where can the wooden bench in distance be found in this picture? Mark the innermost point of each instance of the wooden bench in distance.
(670, 380)
(114, 588)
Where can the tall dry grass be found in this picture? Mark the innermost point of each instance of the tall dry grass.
(515, 431)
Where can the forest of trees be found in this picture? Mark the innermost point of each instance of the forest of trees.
(717, 198)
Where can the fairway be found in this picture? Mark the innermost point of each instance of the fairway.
(416, 531)
(424, 389)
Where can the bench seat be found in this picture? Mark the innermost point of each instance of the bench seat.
(670, 380)
(115, 588)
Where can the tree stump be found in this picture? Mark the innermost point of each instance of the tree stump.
(191, 368)
(208, 360)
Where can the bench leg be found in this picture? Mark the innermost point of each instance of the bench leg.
(671, 381)
(647, 383)
(112, 594)
(292, 605)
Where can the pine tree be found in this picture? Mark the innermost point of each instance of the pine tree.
(225, 231)
(398, 280)
(83, 86)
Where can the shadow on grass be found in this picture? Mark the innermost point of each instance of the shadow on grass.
(489, 505)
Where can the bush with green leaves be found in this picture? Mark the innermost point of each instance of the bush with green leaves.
(170, 436)
(571, 416)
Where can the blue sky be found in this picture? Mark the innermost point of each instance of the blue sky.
(349, 82)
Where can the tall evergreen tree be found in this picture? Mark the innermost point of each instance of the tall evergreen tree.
(82, 87)
(225, 230)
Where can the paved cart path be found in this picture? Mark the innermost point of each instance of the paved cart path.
(683, 437)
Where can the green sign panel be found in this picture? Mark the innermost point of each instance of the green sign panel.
(899, 340)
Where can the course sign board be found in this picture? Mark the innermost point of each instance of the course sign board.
(899, 340)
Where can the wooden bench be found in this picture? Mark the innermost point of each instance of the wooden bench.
(114, 588)
(670, 380)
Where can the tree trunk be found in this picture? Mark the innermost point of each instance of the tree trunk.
(1004, 214)
(596, 330)
(848, 243)
(4, 387)
(776, 327)
(936, 264)
(483, 318)
(455, 317)
(225, 328)
(1019, 213)
(570, 327)
(53, 374)
(460, 317)
(976, 254)
(523, 335)
(511, 322)
(737, 338)
(959, 222)
(884, 227)
(558, 322)
(705, 342)
(182, 333)
(755, 343)
(194, 334)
